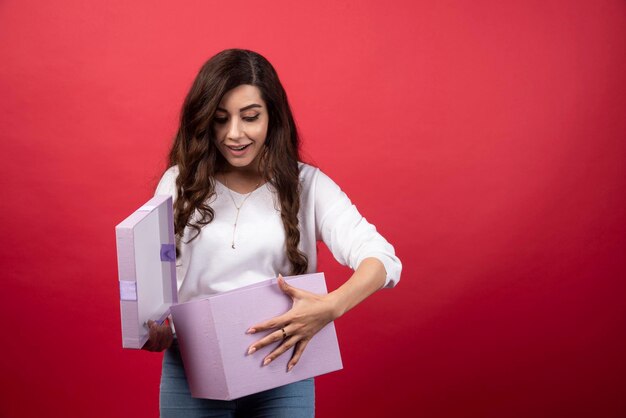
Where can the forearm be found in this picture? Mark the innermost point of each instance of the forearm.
(369, 277)
(310, 312)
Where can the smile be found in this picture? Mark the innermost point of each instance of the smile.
(239, 148)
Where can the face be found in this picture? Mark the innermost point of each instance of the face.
(240, 126)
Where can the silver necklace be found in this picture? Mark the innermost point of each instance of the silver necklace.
(232, 245)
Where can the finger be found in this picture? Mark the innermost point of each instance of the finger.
(149, 345)
(163, 343)
(287, 345)
(297, 353)
(285, 287)
(160, 336)
(276, 322)
(291, 291)
(159, 341)
(152, 332)
(269, 339)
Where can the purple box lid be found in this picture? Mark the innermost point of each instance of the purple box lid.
(213, 342)
(146, 258)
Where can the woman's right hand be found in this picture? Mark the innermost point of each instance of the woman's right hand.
(160, 337)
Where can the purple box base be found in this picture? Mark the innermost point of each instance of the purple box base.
(213, 341)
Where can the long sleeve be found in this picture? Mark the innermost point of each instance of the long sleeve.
(348, 235)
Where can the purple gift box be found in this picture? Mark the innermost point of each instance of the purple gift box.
(146, 260)
(211, 331)
(213, 342)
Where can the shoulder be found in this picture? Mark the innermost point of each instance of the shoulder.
(307, 171)
(172, 171)
(167, 184)
(308, 175)
(312, 174)
(315, 182)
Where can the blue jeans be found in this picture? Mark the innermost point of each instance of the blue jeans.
(296, 400)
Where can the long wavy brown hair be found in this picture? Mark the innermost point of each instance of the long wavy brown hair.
(198, 159)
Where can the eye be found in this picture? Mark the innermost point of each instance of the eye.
(251, 118)
(220, 120)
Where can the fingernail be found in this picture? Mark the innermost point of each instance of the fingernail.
(289, 368)
(251, 350)
(250, 331)
(267, 361)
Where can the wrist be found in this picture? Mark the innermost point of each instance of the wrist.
(336, 306)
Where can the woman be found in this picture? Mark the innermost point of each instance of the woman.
(247, 209)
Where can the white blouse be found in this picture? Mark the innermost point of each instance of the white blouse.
(209, 264)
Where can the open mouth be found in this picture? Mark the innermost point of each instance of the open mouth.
(239, 148)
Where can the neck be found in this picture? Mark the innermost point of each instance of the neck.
(240, 179)
(252, 170)
(236, 174)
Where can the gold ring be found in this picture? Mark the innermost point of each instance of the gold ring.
(284, 333)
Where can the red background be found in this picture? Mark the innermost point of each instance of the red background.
(485, 139)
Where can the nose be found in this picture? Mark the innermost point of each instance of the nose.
(235, 130)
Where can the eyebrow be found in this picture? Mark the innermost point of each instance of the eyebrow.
(242, 109)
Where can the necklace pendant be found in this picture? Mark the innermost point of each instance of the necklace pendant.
(238, 207)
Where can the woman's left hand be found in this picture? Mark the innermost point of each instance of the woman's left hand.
(308, 315)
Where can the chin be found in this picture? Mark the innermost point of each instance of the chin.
(240, 162)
